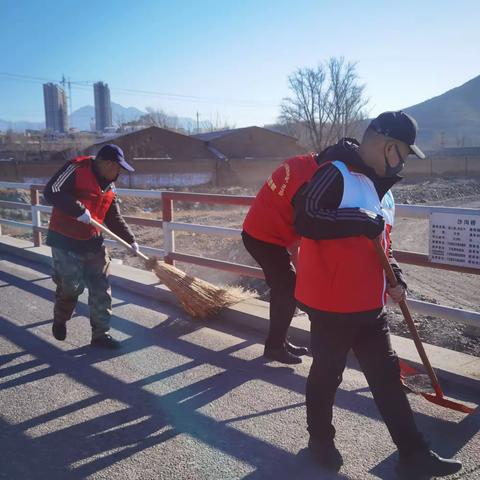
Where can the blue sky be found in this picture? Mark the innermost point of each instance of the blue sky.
(231, 59)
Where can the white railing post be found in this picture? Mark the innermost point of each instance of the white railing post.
(36, 216)
(168, 234)
(168, 241)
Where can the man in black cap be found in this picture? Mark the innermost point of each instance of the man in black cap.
(83, 189)
(342, 286)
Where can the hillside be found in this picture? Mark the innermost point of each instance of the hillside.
(84, 117)
(455, 114)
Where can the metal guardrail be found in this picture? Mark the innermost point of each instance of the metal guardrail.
(424, 211)
(169, 227)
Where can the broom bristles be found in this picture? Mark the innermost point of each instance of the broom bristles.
(198, 297)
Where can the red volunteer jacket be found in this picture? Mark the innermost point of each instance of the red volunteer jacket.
(270, 218)
(87, 191)
(344, 275)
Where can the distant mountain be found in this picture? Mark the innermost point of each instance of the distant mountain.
(84, 117)
(451, 119)
(20, 126)
(124, 114)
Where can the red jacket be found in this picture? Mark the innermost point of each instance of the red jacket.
(270, 218)
(344, 275)
(88, 192)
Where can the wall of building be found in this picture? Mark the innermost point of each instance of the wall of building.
(251, 173)
(148, 174)
(244, 172)
(440, 165)
(169, 173)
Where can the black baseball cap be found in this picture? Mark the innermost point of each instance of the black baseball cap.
(114, 153)
(400, 126)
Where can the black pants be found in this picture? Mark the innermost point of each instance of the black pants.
(367, 333)
(280, 277)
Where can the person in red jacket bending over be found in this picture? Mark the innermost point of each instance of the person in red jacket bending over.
(269, 236)
(83, 189)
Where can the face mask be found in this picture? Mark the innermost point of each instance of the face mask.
(392, 171)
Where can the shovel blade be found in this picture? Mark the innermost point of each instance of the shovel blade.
(420, 384)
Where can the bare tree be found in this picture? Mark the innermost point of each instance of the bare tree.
(215, 126)
(119, 119)
(327, 102)
(156, 118)
(159, 118)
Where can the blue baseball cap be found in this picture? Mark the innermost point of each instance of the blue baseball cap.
(114, 153)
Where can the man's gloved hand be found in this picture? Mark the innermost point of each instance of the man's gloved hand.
(374, 225)
(397, 293)
(85, 217)
(135, 248)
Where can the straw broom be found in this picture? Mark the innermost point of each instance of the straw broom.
(199, 298)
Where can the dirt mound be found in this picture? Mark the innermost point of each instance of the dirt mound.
(435, 190)
(439, 332)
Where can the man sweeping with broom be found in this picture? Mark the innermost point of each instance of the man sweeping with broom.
(82, 190)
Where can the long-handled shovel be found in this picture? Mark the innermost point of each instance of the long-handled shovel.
(199, 298)
(437, 397)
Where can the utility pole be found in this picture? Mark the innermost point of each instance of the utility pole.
(70, 95)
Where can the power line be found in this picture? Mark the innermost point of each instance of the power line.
(28, 77)
(87, 84)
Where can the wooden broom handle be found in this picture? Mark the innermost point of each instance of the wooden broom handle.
(103, 228)
(392, 280)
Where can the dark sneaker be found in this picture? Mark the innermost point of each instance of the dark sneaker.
(296, 350)
(282, 355)
(427, 463)
(325, 453)
(105, 341)
(59, 330)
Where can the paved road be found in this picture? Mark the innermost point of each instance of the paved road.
(180, 400)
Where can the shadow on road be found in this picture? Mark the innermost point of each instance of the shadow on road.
(145, 418)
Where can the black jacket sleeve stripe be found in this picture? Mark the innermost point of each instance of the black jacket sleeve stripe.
(341, 214)
(318, 217)
(58, 191)
(56, 187)
(315, 191)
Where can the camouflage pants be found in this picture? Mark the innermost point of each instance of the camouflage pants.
(72, 272)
